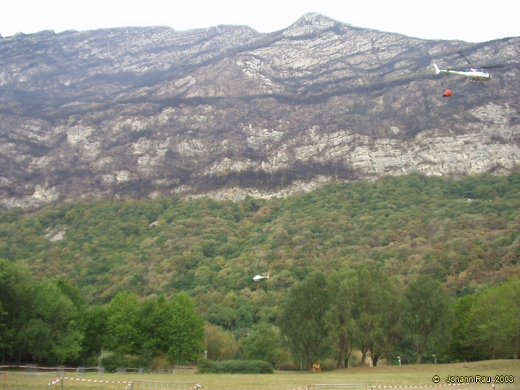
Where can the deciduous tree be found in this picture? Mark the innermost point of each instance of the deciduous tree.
(426, 313)
(50, 335)
(187, 331)
(219, 344)
(340, 317)
(123, 335)
(375, 312)
(264, 343)
(495, 320)
(302, 320)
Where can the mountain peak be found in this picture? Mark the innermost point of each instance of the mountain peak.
(309, 24)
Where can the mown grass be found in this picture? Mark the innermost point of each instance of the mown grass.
(418, 375)
(383, 376)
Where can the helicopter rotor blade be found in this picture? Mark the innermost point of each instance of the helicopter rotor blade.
(491, 66)
(466, 58)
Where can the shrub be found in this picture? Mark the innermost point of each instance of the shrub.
(160, 362)
(205, 367)
(328, 365)
(235, 367)
(111, 362)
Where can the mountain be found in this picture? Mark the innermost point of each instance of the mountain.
(228, 112)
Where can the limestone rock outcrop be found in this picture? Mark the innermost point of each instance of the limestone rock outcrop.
(229, 112)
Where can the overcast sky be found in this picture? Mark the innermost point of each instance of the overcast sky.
(472, 21)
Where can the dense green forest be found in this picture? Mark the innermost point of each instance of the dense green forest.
(457, 239)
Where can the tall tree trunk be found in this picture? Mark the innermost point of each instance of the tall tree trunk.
(363, 355)
(308, 358)
(342, 346)
(347, 358)
(420, 350)
(374, 355)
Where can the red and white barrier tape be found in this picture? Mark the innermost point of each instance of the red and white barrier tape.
(59, 379)
(128, 383)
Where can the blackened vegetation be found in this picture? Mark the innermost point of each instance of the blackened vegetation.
(168, 107)
(275, 180)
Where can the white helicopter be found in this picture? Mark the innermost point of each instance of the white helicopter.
(474, 74)
(257, 278)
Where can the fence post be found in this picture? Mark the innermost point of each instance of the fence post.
(61, 380)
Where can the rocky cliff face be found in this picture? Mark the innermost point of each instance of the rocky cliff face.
(227, 111)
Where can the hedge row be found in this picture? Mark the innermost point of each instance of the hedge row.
(235, 367)
(111, 362)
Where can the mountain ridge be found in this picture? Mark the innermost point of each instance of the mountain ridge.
(229, 112)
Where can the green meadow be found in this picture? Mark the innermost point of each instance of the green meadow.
(418, 375)
(406, 375)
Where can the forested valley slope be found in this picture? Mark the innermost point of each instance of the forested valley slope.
(462, 234)
(147, 175)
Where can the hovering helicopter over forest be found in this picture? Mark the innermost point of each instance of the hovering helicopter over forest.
(257, 278)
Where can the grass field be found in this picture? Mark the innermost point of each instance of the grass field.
(383, 376)
(409, 375)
